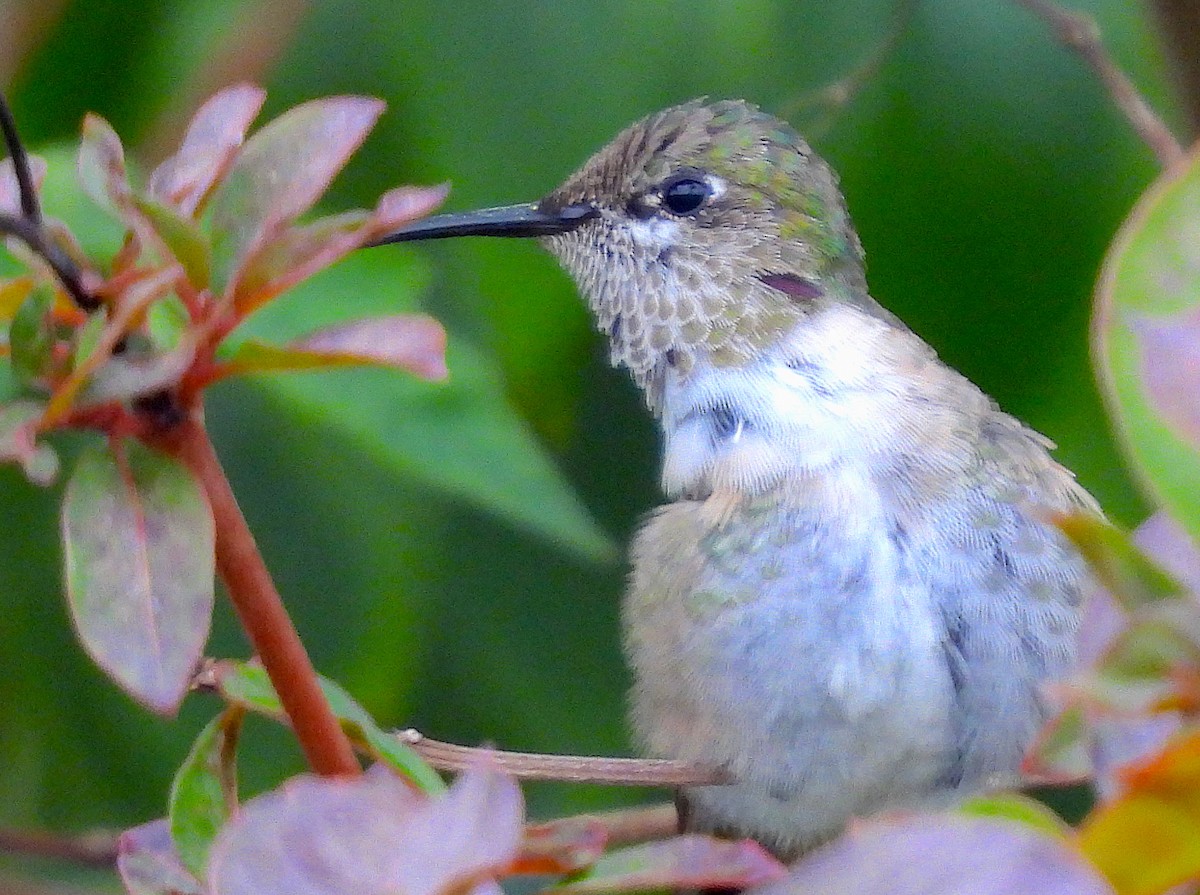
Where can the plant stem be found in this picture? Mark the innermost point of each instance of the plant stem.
(261, 610)
(97, 849)
(1081, 34)
(566, 768)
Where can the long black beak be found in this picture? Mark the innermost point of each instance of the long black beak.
(508, 220)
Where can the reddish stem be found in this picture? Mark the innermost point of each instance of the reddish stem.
(261, 609)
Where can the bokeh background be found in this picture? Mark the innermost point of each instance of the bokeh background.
(454, 554)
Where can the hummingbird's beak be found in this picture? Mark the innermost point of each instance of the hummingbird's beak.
(508, 220)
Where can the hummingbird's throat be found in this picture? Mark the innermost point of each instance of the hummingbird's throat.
(666, 310)
(814, 403)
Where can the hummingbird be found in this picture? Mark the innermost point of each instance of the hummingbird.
(853, 596)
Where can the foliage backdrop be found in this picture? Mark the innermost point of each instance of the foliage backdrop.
(453, 555)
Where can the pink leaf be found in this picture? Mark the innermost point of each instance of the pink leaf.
(299, 252)
(213, 138)
(10, 191)
(411, 342)
(373, 834)
(1164, 540)
(280, 172)
(149, 864)
(101, 169)
(18, 441)
(404, 205)
(561, 846)
(138, 543)
(296, 254)
(1101, 622)
(1169, 353)
(101, 166)
(942, 855)
(1118, 742)
(680, 863)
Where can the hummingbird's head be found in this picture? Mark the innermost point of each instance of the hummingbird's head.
(706, 231)
(716, 228)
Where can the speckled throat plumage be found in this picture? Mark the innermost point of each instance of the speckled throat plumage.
(666, 291)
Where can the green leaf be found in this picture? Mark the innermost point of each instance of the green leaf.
(1131, 577)
(87, 339)
(31, 336)
(138, 546)
(13, 294)
(247, 685)
(183, 237)
(1146, 340)
(167, 321)
(204, 791)
(462, 437)
(1017, 807)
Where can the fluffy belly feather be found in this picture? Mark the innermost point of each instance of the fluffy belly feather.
(793, 645)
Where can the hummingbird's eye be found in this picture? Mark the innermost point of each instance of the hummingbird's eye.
(685, 193)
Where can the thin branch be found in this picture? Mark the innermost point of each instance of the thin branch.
(836, 94)
(567, 768)
(29, 227)
(261, 609)
(15, 885)
(1081, 34)
(59, 261)
(97, 849)
(20, 160)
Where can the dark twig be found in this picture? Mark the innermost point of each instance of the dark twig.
(20, 160)
(29, 227)
(59, 261)
(1081, 34)
(836, 94)
(566, 768)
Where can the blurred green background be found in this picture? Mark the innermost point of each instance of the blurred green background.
(454, 554)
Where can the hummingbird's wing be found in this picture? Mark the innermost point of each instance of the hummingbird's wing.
(1009, 585)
